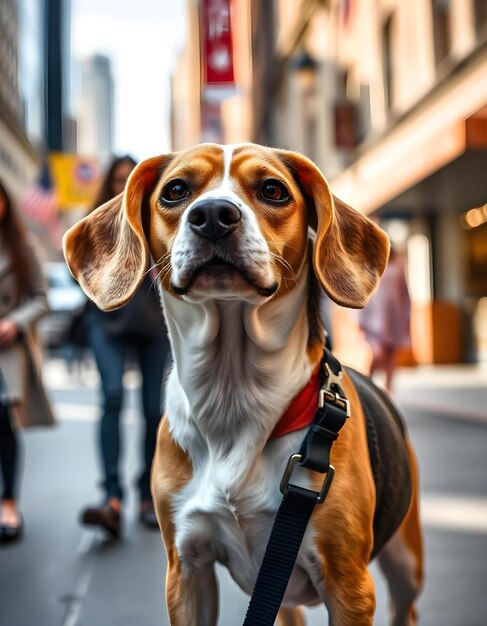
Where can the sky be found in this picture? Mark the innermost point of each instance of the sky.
(143, 38)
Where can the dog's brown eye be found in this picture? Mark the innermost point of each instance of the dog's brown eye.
(274, 191)
(175, 191)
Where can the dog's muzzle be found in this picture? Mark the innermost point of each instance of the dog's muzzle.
(214, 218)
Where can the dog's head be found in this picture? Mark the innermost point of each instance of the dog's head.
(226, 222)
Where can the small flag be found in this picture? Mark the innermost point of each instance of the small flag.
(39, 204)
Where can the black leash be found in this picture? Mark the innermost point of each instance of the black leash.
(298, 504)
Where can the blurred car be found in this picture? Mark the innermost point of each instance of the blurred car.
(66, 300)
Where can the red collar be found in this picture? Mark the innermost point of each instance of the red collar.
(301, 411)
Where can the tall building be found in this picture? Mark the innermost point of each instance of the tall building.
(95, 108)
(18, 157)
(34, 86)
(31, 74)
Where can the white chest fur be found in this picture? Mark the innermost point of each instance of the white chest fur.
(237, 367)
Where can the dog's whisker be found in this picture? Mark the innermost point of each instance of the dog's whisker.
(272, 240)
(282, 260)
(166, 271)
(163, 269)
(158, 262)
(286, 280)
(156, 265)
(285, 264)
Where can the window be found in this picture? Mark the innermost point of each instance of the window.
(480, 18)
(441, 29)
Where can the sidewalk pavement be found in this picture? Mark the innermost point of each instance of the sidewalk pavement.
(451, 391)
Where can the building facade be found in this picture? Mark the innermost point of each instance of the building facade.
(34, 87)
(18, 156)
(418, 152)
(389, 98)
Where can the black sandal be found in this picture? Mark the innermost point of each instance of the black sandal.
(9, 534)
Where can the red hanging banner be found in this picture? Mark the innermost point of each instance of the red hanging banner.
(217, 48)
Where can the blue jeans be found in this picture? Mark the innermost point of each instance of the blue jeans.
(110, 355)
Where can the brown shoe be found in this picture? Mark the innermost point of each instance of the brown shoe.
(104, 516)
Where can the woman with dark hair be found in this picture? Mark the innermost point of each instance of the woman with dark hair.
(114, 180)
(137, 329)
(23, 401)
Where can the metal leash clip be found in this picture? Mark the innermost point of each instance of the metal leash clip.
(330, 394)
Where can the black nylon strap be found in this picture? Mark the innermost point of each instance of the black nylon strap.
(295, 511)
(281, 552)
(319, 439)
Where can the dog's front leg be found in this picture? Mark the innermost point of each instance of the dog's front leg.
(191, 588)
(350, 595)
(192, 596)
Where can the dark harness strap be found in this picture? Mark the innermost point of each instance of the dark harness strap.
(386, 438)
(298, 504)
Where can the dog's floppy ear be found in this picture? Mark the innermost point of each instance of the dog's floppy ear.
(350, 251)
(107, 251)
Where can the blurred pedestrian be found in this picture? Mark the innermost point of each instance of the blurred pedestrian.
(76, 341)
(137, 329)
(386, 319)
(23, 400)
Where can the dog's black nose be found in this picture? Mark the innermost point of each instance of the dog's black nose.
(214, 219)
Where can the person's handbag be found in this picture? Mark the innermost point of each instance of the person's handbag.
(13, 363)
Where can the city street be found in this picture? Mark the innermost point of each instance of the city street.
(63, 575)
(328, 154)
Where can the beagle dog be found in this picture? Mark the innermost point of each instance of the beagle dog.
(230, 229)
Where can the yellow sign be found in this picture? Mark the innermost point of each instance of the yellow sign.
(75, 178)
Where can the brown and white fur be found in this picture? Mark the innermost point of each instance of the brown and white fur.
(242, 314)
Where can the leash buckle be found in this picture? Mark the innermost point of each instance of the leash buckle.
(334, 398)
(325, 487)
(331, 377)
(330, 393)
